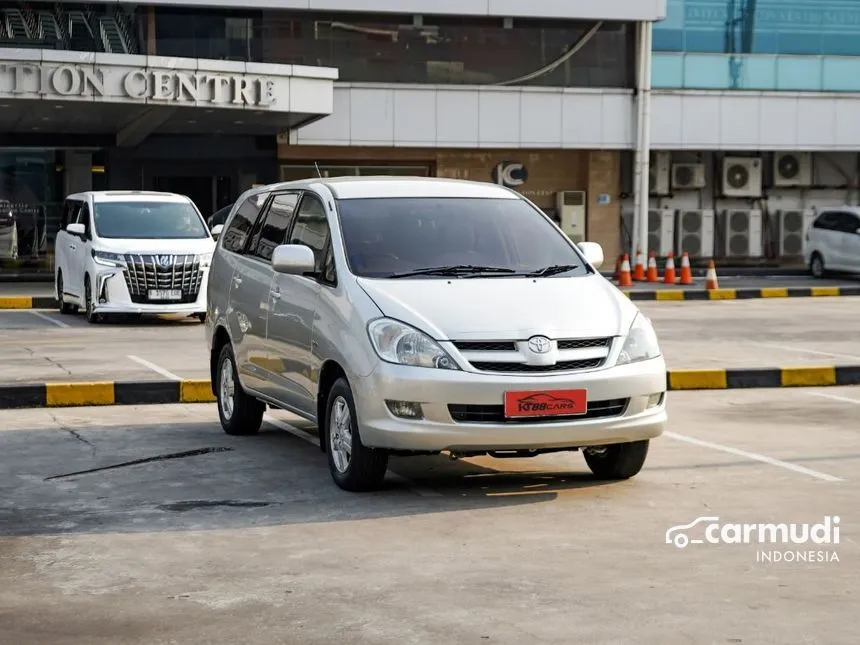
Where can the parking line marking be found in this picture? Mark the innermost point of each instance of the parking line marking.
(311, 439)
(806, 351)
(752, 455)
(39, 314)
(834, 397)
(155, 368)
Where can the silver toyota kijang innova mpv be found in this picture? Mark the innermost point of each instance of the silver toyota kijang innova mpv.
(418, 315)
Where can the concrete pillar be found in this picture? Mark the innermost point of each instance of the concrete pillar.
(78, 174)
(604, 207)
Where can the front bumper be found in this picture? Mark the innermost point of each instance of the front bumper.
(640, 418)
(111, 295)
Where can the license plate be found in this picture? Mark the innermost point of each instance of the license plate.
(165, 294)
(542, 403)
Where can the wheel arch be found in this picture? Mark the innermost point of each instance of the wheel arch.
(330, 372)
(220, 338)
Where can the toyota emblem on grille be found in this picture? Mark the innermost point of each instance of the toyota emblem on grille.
(165, 260)
(539, 344)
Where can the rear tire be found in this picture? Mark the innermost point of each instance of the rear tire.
(353, 466)
(240, 413)
(617, 461)
(65, 307)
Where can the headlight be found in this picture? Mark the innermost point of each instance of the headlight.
(641, 342)
(206, 259)
(108, 259)
(395, 342)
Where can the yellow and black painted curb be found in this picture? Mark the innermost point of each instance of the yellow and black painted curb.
(28, 302)
(741, 294)
(56, 395)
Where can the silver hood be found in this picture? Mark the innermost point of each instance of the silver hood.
(505, 308)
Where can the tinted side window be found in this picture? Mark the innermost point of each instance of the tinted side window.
(278, 219)
(237, 234)
(311, 227)
(826, 221)
(848, 222)
(70, 213)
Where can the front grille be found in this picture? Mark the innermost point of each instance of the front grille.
(485, 346)
(143, 272)
(563, 366)
(584, 343)
(517, 355)
(461, 413)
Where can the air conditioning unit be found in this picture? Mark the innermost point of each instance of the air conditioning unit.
(742, 177)
(741, 233)
(659, 169)
(571, 212)
(661, 231)
(688, 176)
(694, 233)
(791, 227)
(792, 169)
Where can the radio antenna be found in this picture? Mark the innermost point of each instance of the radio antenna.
(319, 174)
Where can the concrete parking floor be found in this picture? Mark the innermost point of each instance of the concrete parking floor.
(47, 346)
(248, 540)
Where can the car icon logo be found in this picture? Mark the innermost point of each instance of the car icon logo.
(165, 260)
(539, 344)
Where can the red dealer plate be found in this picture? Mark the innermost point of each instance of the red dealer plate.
(545, 403)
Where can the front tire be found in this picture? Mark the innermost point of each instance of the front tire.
(617, 461)
(65, 307)
(353, 466)
(91, 316)
(240, 413)
(816, 266)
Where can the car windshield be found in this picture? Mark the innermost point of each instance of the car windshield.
(462, 237)
(148, 220)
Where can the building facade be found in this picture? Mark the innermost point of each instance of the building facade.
(755, 122)
(208, 97)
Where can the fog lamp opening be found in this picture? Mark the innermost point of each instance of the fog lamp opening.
(655, 399)
(405, 409)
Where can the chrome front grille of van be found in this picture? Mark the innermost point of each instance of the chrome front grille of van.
(163, 273)
(515, 357)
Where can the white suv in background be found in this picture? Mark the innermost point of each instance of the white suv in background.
(833, 241)
(132, 252)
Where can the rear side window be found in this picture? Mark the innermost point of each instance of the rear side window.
(237, 234)
(848, 223)
(278, 219)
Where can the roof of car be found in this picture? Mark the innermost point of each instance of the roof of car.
(129, 196)
(379, 187)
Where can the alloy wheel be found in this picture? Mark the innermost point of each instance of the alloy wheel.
(227, 390)
(340, 434)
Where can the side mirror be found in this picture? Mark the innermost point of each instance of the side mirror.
(77, 229)
(293, 259)
(593, 253)
(217, 230)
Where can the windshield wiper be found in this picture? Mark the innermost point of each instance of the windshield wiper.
(456, 269)
(553, 270)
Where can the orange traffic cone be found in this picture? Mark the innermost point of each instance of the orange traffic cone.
(639, 269)
(711, 277)
(686, 271)
(624, 279)
(669, 273)
(618, 262)
(653, 276)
